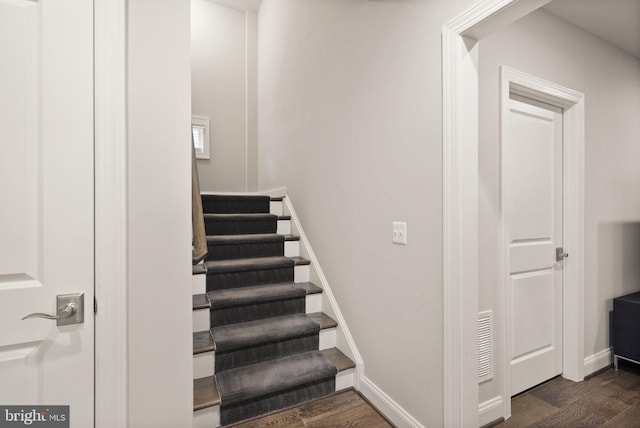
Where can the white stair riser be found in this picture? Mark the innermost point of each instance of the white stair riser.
(301, 273)
(198, 284)
(201, 320)
(276, 207)
(203, 365)
(313, 303)
(207, 418)
(284, 227)
(327, 338)
(345, 379)
(291, 248)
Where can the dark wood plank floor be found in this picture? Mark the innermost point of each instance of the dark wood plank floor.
(610, 399)
(344, 409)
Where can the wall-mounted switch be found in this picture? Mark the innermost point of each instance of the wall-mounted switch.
(399, 232)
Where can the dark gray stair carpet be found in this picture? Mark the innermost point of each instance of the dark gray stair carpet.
(235, 204)
(238, 224)
(243, 296)
(263, 387)
(225, 247)
(242, 344)
(257, 302)
(222, 274)
(253, 333)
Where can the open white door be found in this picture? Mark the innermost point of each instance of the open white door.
(532, 153)
(46, 214)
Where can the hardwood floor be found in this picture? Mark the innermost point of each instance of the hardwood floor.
(610, 399)
(344, 409)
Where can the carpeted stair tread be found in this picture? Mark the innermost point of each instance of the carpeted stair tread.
(244, 265)
(249, 238)
(244, 239)
(300, 261)
(340, 360)
(240, 217)
(242, 296)
(235, 203)
(200, 301)
(198, 269)
(202, 342)
(270, 330)
(269, 377)
(205, 393)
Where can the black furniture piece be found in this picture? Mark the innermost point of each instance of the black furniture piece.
(626, 328)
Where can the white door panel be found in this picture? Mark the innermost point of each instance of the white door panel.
(532, 293)
(532, 152)
(46, 218)
(531, 255)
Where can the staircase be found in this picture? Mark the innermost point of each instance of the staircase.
(260, 341)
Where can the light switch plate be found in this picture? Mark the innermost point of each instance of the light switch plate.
(399, 232)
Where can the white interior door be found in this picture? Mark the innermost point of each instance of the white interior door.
(532, 153)
(46, 208)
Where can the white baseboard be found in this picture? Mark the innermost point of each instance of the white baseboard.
(491, 410)
(598, 361)
(392, 410)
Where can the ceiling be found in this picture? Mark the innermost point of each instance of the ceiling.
(615, 21)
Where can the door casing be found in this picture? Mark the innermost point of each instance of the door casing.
(518, 83)
(460, 38)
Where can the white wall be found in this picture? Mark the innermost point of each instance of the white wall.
(159, 214)
(223, 73)
(350, 120)
(547, 47)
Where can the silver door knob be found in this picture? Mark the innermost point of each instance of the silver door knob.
(70, 310)
(560, 254)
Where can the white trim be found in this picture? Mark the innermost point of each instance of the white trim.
(276, 192)
(491, 410)
(387, 405)
(460, 256)
(460, 186)
(572, 102)
(327, 293)
(246, 100)
(111, 364)
(598, 361)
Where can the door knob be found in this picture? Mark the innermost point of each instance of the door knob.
(70, 310)
(560, 254)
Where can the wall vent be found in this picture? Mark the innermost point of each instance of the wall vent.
(485, 346)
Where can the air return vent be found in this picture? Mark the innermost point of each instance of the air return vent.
(485, 346)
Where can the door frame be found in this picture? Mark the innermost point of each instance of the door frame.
(111, 234)
(460, 38)
(572, 103)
